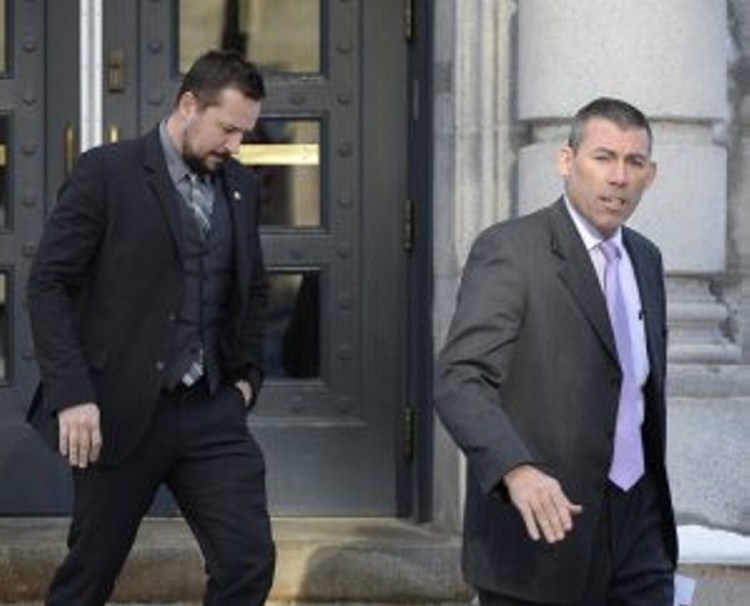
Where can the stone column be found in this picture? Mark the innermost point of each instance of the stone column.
(669, 59)
(474, 155)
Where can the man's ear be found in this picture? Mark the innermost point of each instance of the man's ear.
(565, 160)
(187, 105)
(653, 169)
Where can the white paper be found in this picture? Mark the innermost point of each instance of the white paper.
(684, 587)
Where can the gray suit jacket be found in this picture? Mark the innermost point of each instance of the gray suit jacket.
(529, 374)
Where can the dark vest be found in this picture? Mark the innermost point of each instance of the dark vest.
(207, 264)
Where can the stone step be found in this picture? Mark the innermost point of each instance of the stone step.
(374, 561)
(357, 562)
(720, 584)
(711, 381)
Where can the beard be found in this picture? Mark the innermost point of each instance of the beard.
(206, 164)
(200, 163)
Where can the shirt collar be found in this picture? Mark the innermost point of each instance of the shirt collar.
(176, 166)
(589, 234)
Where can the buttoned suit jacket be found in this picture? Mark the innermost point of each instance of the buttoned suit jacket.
(529, 374)
(106, 286)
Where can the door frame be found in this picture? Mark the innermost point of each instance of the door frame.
(414, 466)
(419, 485)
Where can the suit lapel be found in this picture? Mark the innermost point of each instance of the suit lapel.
(578, 274)
(157, 178)
(648, 289)
(239, 207)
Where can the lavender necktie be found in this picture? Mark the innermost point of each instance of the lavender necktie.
(627, 460)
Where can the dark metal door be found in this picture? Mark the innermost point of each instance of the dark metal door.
(34, 138)
(332, 153)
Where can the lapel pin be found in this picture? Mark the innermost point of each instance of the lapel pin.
(236, 195)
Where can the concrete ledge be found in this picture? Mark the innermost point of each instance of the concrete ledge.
(700, 546)
(719, 561)
(370, 561)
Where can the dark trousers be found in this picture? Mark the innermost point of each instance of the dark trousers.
(630, 565)
(199, 446)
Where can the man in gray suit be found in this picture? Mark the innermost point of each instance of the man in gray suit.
(552, 383)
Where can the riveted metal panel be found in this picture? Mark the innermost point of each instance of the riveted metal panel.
(38, 96)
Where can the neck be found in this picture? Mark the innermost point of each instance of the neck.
(175, 131)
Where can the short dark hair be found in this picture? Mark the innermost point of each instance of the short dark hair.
(622, 113)
(217, 70)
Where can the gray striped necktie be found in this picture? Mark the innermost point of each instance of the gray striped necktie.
(200, 203)
(202, 207)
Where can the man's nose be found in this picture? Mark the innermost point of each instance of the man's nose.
(233, 143)
(618, 173)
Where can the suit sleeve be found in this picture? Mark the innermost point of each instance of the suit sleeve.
(477, 357)
(65, 256)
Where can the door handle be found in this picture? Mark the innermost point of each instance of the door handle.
(114, 133)
(69, 148)
(116, 71)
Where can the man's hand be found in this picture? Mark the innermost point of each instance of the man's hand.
(542, 503)
(246, 390)
(80, 434)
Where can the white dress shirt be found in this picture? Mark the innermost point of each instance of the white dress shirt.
(591, 240)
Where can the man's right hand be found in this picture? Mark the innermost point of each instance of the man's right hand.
(542, 503)
(80, 434)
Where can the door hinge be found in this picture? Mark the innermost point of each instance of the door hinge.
(409, 18)
(409, 219)
(408, 427)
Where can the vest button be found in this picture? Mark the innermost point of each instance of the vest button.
(172, 316)
(159, 366)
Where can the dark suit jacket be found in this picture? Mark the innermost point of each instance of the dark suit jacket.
(107, 284)
(529, 374)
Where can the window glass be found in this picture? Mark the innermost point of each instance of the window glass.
(279, 35)
(286, 155)
(4, 173)
(292, 346)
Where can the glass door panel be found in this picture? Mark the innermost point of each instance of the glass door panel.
(281, 36)
(4, 171)
(286, 155)
(293, 325)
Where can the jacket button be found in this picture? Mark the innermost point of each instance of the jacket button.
(159, 366)
(172, 316)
